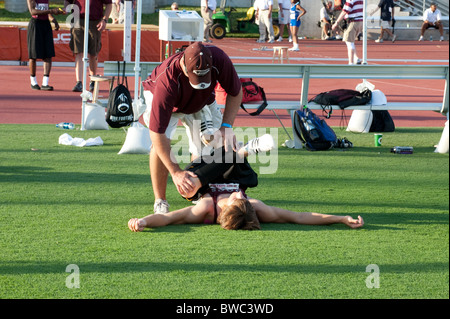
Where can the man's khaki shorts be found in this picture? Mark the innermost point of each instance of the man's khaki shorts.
(352, 31)
(210, 117)
(77, 39)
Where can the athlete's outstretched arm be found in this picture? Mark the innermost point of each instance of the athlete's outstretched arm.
(188, 215)
(270, 214)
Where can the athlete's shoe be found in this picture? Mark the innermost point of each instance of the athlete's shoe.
(260, 144)
(47, 88)
(161, 206)
(78, 87)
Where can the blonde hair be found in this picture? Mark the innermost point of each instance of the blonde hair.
(239, 215)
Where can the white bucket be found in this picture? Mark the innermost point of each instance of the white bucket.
(443, 143)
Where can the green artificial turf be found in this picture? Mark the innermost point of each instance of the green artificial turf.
(64, 205)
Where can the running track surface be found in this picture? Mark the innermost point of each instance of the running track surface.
(21, 105)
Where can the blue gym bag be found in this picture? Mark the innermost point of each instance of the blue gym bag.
(314, 133)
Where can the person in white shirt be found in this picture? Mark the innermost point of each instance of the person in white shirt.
(208, 8)
(263, 14)
(283, 18)
(432, 19)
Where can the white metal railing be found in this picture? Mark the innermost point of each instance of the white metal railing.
(324, 71)
(416, 22)
(307, 72)
(417, 7)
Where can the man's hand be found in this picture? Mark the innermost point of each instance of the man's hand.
(183, 182)
(136, 224)
(56, 11)
(101, 25)
(55, 22)
(228, 139)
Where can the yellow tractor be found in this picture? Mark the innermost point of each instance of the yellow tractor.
(222, 22)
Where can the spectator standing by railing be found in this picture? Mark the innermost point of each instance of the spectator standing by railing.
(297, 11)
(40, 40)
(283, 18)
(263, 14)
(353, 9)
(208, 7)
(387, 19)
(99, 13)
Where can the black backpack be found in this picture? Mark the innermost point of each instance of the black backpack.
(120, 108)
(315, 133)
(382, 122)
(342, 98)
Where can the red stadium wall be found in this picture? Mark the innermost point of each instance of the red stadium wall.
(10, 44)
(13, 45)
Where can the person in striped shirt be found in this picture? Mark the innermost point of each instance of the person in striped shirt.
(353, 11)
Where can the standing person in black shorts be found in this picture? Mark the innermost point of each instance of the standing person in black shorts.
(40, 40)
(387, 19)
(98, 18)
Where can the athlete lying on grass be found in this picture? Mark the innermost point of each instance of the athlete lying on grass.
(220, 190)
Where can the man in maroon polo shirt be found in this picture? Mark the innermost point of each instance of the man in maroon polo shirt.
(99, 11)
(182, 88)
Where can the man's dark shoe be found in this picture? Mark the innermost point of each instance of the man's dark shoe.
(36, 87)
(47, 88)
(78, 87)
(91, 86)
